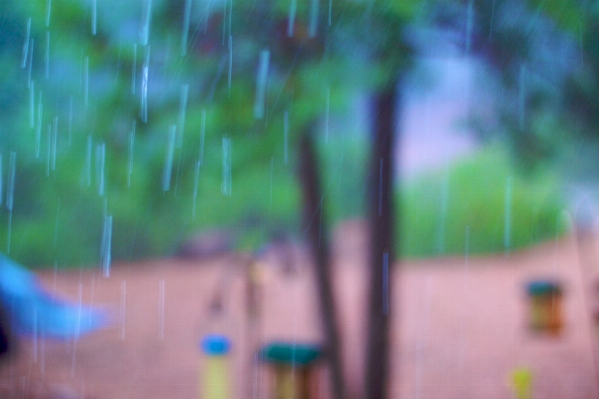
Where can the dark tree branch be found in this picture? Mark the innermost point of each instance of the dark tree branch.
(382, 255)
(315, 226)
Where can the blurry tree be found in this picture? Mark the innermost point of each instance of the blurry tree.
(528, 60)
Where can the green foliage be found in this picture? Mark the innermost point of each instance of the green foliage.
(482, 206)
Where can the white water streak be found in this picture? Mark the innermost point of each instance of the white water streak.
(182, 112)
(38, 130)
(88, 162)
(161, 308)
(202, 135)
(134, 69)
(261, 81)
(86, 81)
(226, 186)
(30, 63)
(507, 228)
(313, 21)
(131, 152)
(47, 55)
(286, 137)
(185, 33)
(106, 246)
(146, 18)
(196, 185)
(327, 114)
(94, 16)
(48, 12)
(123, 307)
(100, 167)
(230, 74)
(26, 45)
(168, 164)
(144, 85)
(54, 143)
(32, 104)
(70, 120)
(291, 18)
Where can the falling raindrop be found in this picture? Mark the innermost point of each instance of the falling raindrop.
(10, 194)
(326, 115)
(70, 120)
(47, 56)
(100, 167)
(56, 223)
(168, 165)
(42, 356)
(54, 142)
(202, 135)
(386, 283)
(123, 307)
(330, 17)
(443, 215)
(38, 130)
(94, 16)
(286, 137)
(79, 310)
(35, 334)
(134, 69)
(161, 307)
(1, 180)
(272, 170)
(106, 249)
(380, 187)
(313, 22)
(226, 184)
(48, 11)
(185, 33)
(182, 111)
(522, 96)
(88, 162)
(26, 45)
(30, 62)
(261, 84)
(86, 81)
(291, 20)
(230, 74)
(145, 22)
(467, 250)
(48, 149)
(32, 104)
(469, 25)
(507, 229)
(492, 20)
(144, 85)
(131, 146)
(196, 183)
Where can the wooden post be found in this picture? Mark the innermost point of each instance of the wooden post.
(315, 226)
(382, 256)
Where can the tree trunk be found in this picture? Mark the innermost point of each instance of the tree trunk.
(382, 256)
(316, 229)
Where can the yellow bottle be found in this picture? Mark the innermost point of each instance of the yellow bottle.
(215, 382)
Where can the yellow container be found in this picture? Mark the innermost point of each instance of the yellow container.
(215, 381)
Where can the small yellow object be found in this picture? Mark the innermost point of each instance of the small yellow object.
(215, 380)
(521, 383)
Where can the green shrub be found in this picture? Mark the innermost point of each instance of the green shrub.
(481, 205)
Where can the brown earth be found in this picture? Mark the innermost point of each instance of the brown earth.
(459, 326)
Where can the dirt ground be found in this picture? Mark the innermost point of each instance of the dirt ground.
(458, 327)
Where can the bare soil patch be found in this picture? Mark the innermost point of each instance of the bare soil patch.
(459, 326)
